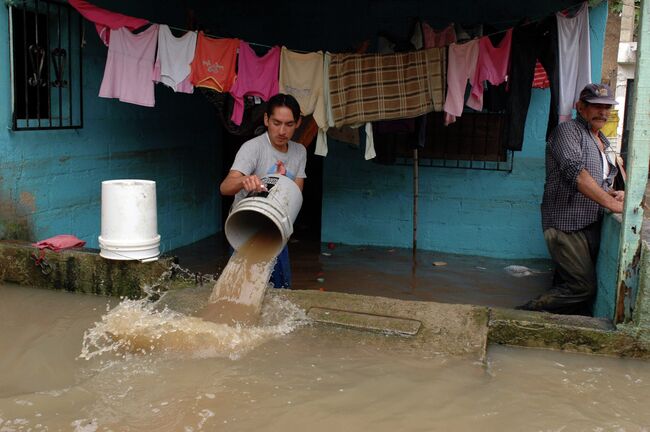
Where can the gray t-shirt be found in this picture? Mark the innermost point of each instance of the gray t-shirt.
(258, 156)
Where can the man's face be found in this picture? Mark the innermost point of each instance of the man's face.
(281, 126)
(595, 114)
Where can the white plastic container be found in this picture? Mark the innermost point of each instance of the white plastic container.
(276, 209)
(129, 221)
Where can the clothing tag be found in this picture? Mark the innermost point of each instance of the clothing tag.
(257, 99)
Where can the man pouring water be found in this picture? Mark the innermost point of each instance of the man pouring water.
(273, 152)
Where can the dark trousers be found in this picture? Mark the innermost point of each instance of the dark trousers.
(574, 281)
(529, 43)
(281, 276)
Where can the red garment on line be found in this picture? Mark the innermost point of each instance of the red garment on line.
(540, 79)
(106, 20)
(60, 242)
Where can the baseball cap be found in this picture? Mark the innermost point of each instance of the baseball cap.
(597, 94)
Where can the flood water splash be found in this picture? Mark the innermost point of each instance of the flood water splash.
(142, 327)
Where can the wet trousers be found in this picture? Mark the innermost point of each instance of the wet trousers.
(574, 281)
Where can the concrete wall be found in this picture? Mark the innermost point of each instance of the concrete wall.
(460, 211)
(50, 181)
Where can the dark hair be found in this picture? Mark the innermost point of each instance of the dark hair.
(283, 100)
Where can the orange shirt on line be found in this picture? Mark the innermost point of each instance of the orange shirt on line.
(214, 63)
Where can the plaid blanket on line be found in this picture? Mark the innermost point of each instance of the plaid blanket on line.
(370, 87)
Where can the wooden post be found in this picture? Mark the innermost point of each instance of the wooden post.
(637, 175)
(416, 163)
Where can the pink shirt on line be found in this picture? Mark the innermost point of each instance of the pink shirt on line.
(128, 75)
(492, 65)
(460, 68)
(256, 76)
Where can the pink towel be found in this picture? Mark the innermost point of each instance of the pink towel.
(60, 242)
(106, 20)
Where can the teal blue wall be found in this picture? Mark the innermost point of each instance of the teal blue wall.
(460, 211)
(52, 179)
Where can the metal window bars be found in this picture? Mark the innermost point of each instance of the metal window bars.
(46, 65)
(474, 142)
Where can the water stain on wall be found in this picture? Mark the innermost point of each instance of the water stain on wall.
(15, 219)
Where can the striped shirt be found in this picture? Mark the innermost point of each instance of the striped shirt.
(571, 149)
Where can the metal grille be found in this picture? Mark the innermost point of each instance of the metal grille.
(46, 65)
(474, 141)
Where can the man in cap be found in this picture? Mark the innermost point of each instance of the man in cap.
(580, 171)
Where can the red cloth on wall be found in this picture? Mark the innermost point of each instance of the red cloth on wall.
(60, 242)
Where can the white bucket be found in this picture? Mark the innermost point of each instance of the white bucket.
(276, 209)
(129, 220)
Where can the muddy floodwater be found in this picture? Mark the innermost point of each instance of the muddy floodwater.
(60, 369)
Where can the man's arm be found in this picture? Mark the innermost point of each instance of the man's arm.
(300, 182)
(589, 188)
(236, 181)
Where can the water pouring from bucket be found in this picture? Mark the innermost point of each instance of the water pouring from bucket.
(258, 227)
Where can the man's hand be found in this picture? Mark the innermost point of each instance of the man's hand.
(253, 183)
(618, 195)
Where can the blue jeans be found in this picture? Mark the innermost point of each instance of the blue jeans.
(281, 276)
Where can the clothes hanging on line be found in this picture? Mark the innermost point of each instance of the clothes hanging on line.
(370, 87)
(173, 59)
(256, 76)
(214, 63)
(460, 69)
(529, 43)
(438, 38)
(301, 76)
(574, 53)
(345, 133)
(129, 66)
(252, 123)
(105, 20)
(492, 66)
(540, 78)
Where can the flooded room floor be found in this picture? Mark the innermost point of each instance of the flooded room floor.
(389, 272)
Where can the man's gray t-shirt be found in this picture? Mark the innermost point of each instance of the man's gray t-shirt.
(258, 156)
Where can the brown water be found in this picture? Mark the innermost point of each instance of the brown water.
(283, 375)
(239, 292)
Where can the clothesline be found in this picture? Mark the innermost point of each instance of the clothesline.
(532, 21)
(222, 37)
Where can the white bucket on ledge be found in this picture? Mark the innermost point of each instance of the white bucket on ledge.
(129, 221)
(275, 209)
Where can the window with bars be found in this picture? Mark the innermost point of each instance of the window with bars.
(46, 65)
(474, 141)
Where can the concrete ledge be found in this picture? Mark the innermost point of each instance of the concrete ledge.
(444, 328)
(565, 333)
(363, 321)
(78, 270)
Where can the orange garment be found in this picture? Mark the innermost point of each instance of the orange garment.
(214, 63)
